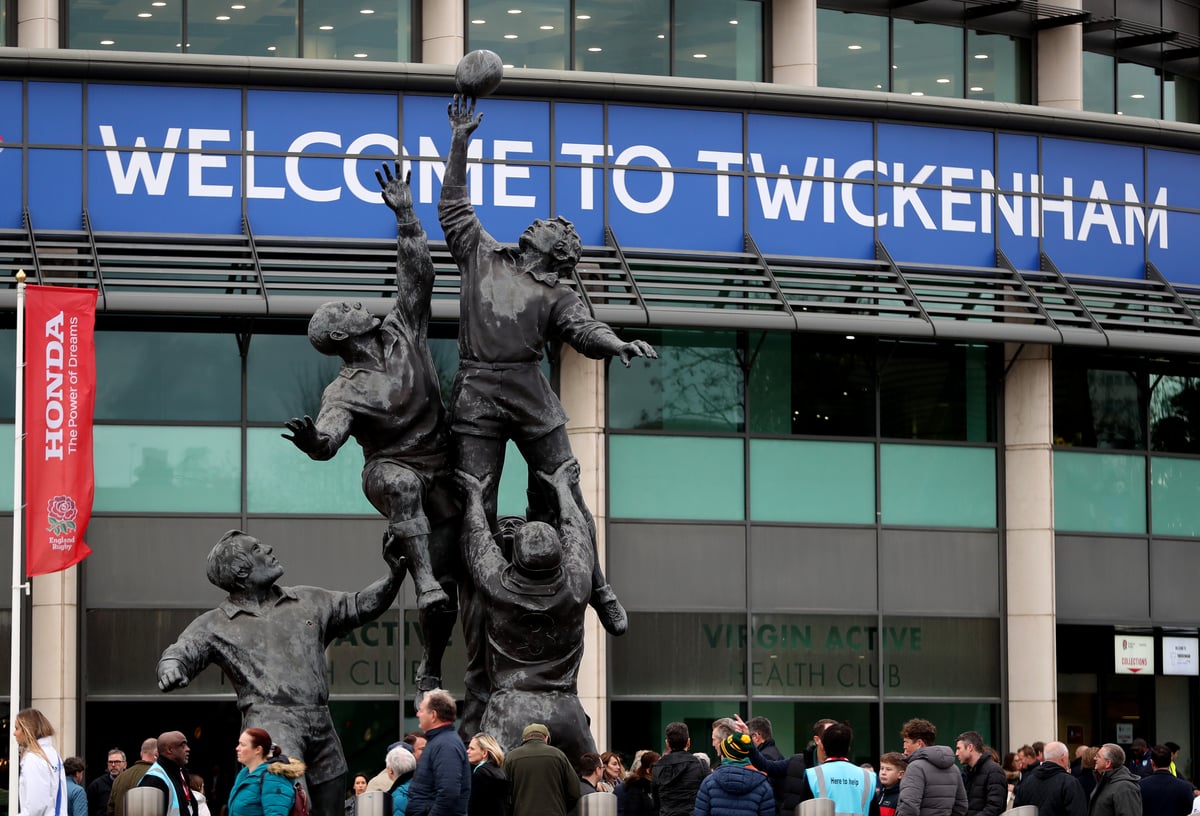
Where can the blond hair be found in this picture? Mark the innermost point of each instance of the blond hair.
(490, 746)
(34, 726)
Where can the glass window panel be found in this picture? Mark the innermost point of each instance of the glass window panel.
(1175, 414)
(927, 59)
(1096, 407)
(811, 655)
(152, 376)
(852, 50)
(635, 724)
(820, 482)
(1098, 82)
(157, 29)
(1099, 493)
(8, 444)
(334, 29)
(830, 382)
(630, 38)
(281, 479)
(719, 39)
(1181, 99)
(259, 28)
(1175, 496)
(1139, 90)
(707, 655)
(942, 486)
(675, 477)
(998, 68)
(941, 657)
(936, 392)
(8, 380)
(156, 469)
(695, 384)
(537, 37)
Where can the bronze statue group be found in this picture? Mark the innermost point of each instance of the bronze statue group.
(521, 594)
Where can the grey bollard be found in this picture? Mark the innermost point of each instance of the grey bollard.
(1025, 810)
(144, 802)
(374, 803)
(598, 804)
(816, 807)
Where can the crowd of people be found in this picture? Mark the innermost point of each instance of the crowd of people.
(432, 773)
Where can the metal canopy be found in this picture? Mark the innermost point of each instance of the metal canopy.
(249, 275)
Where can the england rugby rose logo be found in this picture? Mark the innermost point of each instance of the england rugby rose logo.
(61, 513)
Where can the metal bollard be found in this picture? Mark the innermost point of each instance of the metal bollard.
(144, 802)
(816, 807)
(598, 804)
(374, 803)
(1024, 810)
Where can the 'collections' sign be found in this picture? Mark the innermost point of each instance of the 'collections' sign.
(1134, 654)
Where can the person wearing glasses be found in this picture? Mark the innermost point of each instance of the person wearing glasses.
(100, 788)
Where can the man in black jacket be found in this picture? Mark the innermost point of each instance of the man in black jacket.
(987, 787)
(1051, 787)
(1163, 793)
(677, 776)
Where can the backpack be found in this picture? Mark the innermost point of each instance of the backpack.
(300, 803)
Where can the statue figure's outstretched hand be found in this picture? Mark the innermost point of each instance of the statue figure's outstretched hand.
(637, 348)
(565, 474)
(471, 485)
(463, 119)
(172, 676)
(397, 192)
(305, 435)
(393, 554)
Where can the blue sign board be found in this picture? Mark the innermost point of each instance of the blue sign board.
(184, 159)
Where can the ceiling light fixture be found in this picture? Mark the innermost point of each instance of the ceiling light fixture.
(270, 48)
(733, 22)
(511, 36)
(855, 47)
(222, 17)
(662, 36)
(325, 28)
(108, 42)
(546, 28)
(981, 56)
(595, 49)
(699, 56)
(583, 16)
(145, 14)
(360, 55)
(514, 11)
(943, 81)
(478, 22)
(238, 7)
(918, 93)
(976, 88)
(1137, 96)
(366, 11)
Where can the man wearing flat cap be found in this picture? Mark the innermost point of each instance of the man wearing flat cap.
(542, 779)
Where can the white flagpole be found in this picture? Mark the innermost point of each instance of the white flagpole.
(14, 672)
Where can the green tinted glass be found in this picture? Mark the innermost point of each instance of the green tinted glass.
(675, 477)
(1099, 492)
(1175, 493)
(156, 469)
(168, 376)
(820, 482)
(281, 479)
(7, 446)
(942, 486)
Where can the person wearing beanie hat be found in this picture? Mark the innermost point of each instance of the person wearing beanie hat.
(734, 789)
(735, 747)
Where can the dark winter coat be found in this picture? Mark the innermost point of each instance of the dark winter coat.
(489, 791)
(734, 790)
(1054, 792)
(1164, 794)
(639, 797)
(932, 785)
(1117, 794)
(676, 777)
(788, 782)
(987, 788)
(442, 784)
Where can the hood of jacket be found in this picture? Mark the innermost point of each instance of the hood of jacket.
(1120, 775)
(940, 756)
(673, 765)
(736, 780)
(1048, 769)
(287, 767)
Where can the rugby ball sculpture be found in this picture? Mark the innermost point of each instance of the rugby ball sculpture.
(479, 73)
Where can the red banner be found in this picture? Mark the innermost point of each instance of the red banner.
(60, 396)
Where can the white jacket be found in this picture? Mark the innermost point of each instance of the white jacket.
(42, 785)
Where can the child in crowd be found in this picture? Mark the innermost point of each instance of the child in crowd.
(891, 770)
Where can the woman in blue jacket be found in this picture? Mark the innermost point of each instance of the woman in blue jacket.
(265, 786)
